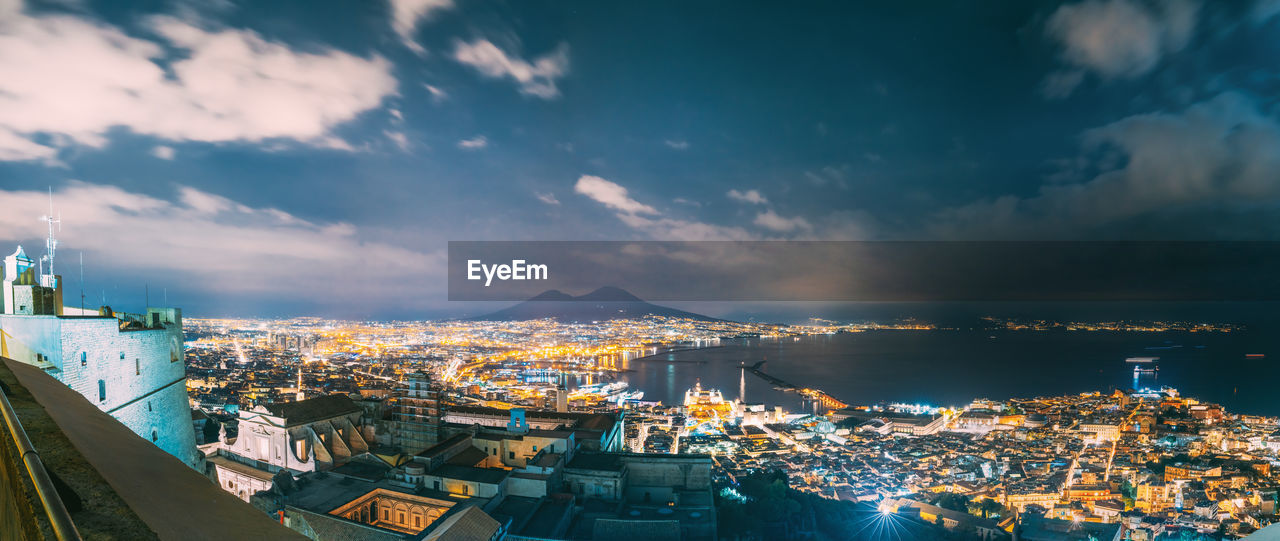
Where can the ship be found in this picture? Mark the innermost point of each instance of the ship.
(699, 396)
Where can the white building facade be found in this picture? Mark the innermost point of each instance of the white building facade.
(130, 366)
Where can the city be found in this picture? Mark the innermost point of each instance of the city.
(674, 270)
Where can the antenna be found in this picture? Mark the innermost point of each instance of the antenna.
(82, 282)
(148, 294)
(50, 243)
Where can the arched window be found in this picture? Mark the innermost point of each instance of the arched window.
(84, 359)
(155, 435)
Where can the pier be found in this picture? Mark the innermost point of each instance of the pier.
(818, 395)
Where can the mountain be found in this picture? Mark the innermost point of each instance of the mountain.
(600, 305)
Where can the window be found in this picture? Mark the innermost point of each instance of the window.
(102, 390)
(401, 521)
(386, 514)
(84, 359)
(495, 451)
(437, 485)
(535, 448)
(137, 366)
(466, 489)
(511, 455)
(148, 405)
(154, 435)
(122, 355)
(417, 522)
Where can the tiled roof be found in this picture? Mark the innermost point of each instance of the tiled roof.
(313, 409)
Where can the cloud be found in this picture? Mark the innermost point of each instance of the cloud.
(678, 145)
(642, 217)
(162, 152)
(1220, 154)
(475, 143)
(548, 198)
(750, 196)
(1116, 39)
(16, 148)
(406, 15)
(830, 175)
(1264, 10)
(537, 78)
(771, 220)
(611, 195)
(1061, 83)
(840, 225)
(437, 95)
(678, 229)
(399, 138)
(216, 244)
(70, 80)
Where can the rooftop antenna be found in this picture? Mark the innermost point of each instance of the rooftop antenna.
(50, 243)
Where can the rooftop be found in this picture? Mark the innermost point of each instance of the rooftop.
(313, 409)
(490, 476)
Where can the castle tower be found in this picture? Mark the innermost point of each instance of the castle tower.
(128, 365)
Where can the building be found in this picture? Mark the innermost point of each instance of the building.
(316, 434)
(337, 505)
(593, 431)
(415, 415)
(985, 529)
(1020, 498)
(130, 366)
(1033, 528)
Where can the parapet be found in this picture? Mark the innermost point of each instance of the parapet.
(117, 485)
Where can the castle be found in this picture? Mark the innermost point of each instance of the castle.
(128, 365)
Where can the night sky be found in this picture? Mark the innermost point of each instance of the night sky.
(293, 158)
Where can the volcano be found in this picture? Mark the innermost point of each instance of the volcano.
(603, 304)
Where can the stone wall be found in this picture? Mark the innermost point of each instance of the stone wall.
(138, 377)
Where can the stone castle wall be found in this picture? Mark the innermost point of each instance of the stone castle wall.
(138, 377)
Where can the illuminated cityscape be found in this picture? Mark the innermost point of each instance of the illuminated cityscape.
(1146, 461)
(672, 270)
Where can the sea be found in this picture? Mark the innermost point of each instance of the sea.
(953, 367)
